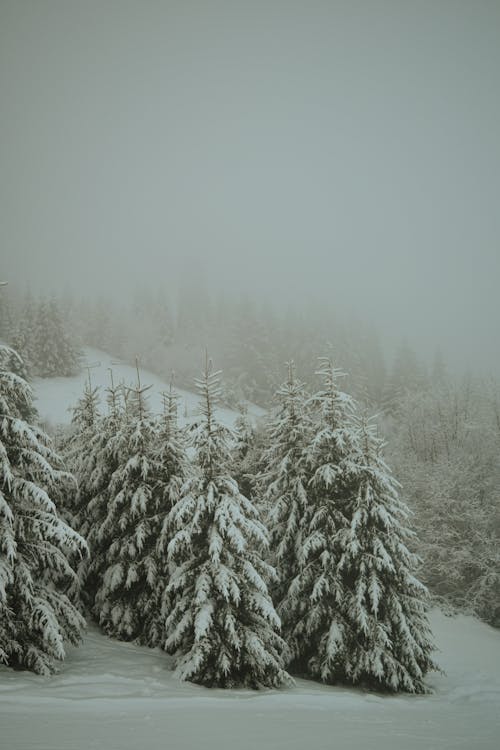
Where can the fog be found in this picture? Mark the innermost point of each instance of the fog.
(297, 152)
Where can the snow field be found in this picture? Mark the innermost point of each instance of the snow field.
(110, 695)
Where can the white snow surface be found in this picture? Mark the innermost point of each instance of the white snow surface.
(55, 397)
(118, 696)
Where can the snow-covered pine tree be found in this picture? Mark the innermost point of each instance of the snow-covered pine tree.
(284, 487)
(54, 351)
(126, 596)
(80, 454)
(173, 469)
(242, 467)
(22, 338)
(6, 321)
(104, 453)
(384, 630)
(223, 626)
(315, 595)
(36, 615)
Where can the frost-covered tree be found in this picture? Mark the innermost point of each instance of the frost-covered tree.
(382, 638)
(243, 469)
(79, 450)
(6, 319)
(98, 457)
(36, 615)
(284, 484)
(364, 619)
(223, 626)
(315, 594)
(54, 353)
(22, 337)
(173, 469)
(126, 596)
(445, 450)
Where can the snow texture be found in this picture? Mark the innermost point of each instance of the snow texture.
(118, 696)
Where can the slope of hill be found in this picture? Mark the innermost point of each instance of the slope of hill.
(55, 397)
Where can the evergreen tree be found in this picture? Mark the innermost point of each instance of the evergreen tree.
(81, 455)
(6, 319)
(102, 452)
(316, 593)
(243, 453)
(285, 491)
(173, 470)
(126, 596)
(364, 619)
(22, 338)
(36, 615)
(382, 638)
(54, 352)
(223, 625)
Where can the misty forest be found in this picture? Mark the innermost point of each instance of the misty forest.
(249, 375)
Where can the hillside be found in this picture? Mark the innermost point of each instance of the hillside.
(55, 397)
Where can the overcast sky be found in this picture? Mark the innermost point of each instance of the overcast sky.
(346, 150)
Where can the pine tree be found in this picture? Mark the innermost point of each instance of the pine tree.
(316, 593)
(102, 454)
(173, 470)
(22, 338)
(223, 625)
(81, 452)
(54, 352)
(383, 633)
(284, 484)
(6, 318)
(243, 453)
(126, 597)
(36, 615)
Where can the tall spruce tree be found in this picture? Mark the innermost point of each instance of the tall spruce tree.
(173, 469)
(126, 596)
(55, 354)
(36, 615)
(383, 629)
(364, 620)
(285, 492)
(104, 451)
(316, 592)
(80, 454)
(22, 338)
(223, 625)
(243, 452)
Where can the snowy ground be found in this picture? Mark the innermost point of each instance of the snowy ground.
(117, 696)
(55, 397)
